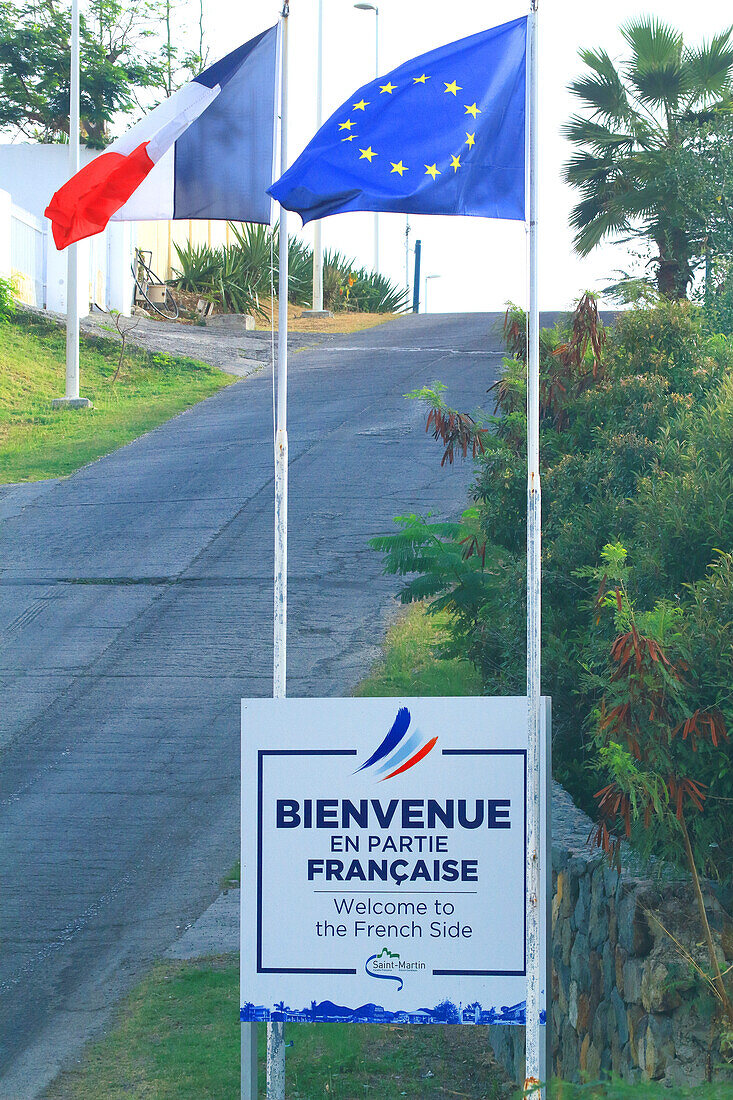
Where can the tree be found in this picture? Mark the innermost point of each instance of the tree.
(120, 65)
(659, 736)
(637, 118)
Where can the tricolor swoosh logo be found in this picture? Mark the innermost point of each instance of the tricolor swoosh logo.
(398, 752)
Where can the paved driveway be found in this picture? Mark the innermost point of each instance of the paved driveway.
(136, 610)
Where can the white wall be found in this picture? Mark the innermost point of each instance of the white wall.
(31, 174)
(5, 203)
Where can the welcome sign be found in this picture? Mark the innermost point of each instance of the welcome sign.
(383, 860)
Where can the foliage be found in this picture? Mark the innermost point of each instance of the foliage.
(642, 453)
(666, 102)
(457, 431)
(250, 267)
(7, 304)
(117, 64)
(219, 274)
(660, 735)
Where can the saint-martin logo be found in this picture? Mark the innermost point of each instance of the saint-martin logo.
(398, 752)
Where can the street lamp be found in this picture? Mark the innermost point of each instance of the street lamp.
(375, 9)
(426, 288)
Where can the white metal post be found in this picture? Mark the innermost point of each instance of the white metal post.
(317, 239)
(534, 1052)
(72, 257)
(407, 254)
(376, 74)
(275, 1030)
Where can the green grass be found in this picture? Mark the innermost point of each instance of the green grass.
(176, 1038)
(410, 664)
(38, 442)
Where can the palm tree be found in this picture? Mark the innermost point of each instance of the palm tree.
(635, 117)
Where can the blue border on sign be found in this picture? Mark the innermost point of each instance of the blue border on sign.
(497, 973)
(260, 757)
(354, 752)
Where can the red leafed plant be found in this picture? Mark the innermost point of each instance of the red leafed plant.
(651, 729)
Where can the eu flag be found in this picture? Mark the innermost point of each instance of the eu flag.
(442, 134)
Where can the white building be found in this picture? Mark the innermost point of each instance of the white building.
(29, 175)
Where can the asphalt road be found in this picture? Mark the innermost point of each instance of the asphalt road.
(136, 610)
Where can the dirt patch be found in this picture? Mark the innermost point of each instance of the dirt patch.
(340, 322)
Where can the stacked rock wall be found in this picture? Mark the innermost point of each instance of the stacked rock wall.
(624, 999)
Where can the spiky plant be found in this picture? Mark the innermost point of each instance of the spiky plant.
(635, 117)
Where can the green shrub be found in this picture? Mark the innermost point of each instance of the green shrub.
(7, 302)
(637, 447)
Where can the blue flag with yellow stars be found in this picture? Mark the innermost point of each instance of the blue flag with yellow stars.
(442, 134)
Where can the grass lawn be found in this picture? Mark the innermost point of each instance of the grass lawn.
(177, 1038)
(411, 664)
(38, 442)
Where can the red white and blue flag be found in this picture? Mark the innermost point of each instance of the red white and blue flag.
(206, 152)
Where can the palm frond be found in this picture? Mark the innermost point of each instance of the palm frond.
(655, 44)
(583, 131)
(604, 91)
(710, 69)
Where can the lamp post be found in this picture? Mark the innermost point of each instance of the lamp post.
(427, 277)
(375, 9)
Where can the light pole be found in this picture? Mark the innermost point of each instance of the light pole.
(375, 9)
(427, 277)
(407, 254)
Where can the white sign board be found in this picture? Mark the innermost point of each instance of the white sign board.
(383, 860)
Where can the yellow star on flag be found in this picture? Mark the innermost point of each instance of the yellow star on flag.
(472, 110)
(350, 137)
(368, 154)
(389, 88)
(420, 79)
(361, 105)
(346, 125)
(471, 139)
(432, 170)
(455, 163)
(453, 87)
(399, 167)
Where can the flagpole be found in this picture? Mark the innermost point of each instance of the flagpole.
(72, 259)
(536, 1064)
(317, 238)
(275, 1029)
(71, 398)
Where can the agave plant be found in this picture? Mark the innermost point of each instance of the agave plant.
(219, 274)
(197, 267)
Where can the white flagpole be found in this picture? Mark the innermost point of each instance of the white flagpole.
(72, 259)
(317, 237)
(275, 1030)
(534, 1030)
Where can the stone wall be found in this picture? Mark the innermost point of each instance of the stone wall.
(623, 998)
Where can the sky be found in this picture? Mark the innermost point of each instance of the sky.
(479, 264)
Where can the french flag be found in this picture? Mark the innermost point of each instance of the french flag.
(206, 152)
